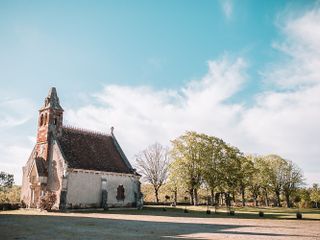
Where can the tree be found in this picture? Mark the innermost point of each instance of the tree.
(292, 179)
(233, 177)
(315, 194)
(255, 180)
(274, 169)
(189, 153)
(6, 181)
(153, 163)
(212, 170)
(246, 174)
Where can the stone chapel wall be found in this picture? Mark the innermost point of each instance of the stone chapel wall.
(55, 171)
(84, 189)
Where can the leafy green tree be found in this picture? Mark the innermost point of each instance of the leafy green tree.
(274, 170)
(245, 175)
(315, 194)
(189, 154)
(255, 178)
(232, 170)
(6, 181)
(213, 164)
(292, 179)
(9, 193)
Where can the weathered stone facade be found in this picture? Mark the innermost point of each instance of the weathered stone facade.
(84, 169)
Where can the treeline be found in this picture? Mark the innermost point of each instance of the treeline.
(205, 169)
(9, 193)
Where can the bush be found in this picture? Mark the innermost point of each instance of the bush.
(9, 206)
(48, 201)
(299, 215)
(261, 214)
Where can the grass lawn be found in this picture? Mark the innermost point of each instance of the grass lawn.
(240, 212)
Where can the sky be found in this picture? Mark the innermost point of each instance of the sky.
(244, 71)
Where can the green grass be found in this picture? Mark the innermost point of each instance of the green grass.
(200, 211)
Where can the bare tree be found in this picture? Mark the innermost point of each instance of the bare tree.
(153, 163)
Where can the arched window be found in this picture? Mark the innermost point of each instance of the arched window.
(120, 193)
(45, 119)
(55, 121)
(41, 120)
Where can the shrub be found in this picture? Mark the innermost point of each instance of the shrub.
(261, 214)
(48, 201)
(9, 206)
(23, 204)
(299, 215)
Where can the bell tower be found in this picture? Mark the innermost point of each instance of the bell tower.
(49, 123)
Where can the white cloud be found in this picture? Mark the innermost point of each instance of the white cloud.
(142, 115)
(285, 121)
(227, 7)
(14, 112)
(14, 146)
(301, 49)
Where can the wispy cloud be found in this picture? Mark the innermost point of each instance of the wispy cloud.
(227, 8)
(285, 120)
(14, 112)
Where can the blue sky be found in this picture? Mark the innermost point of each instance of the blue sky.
(246, 71)
(82, 45)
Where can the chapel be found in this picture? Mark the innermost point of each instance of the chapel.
(84, 169)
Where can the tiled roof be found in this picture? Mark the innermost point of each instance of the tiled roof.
(92, 151)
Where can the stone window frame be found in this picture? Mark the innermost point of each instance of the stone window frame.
(120, 193)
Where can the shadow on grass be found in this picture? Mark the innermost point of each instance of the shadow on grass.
(17, 226)
(221, 213)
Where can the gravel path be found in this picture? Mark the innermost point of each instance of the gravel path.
(39, 225)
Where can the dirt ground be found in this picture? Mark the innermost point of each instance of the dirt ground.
(31, 224)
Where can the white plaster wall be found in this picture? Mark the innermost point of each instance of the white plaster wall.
(84, 189)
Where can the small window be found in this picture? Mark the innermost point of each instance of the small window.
(41, 120)
(55, 121)
(120, 193)
(45, 119)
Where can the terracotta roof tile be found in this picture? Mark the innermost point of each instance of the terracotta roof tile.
(92, 151)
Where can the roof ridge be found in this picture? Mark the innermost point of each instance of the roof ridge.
(87, 131)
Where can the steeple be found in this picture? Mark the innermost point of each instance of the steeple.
(50, 118)
(52, 100)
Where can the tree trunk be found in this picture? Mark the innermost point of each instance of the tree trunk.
(278, 199)
(212, 197)
(288, 200)
(191, 196)
(233, 197)
(156, 193)
(195, 202)
(266, 197)
(227, 199)
(255, 200)
(217, 199)
(175, 196)
(243, 197)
